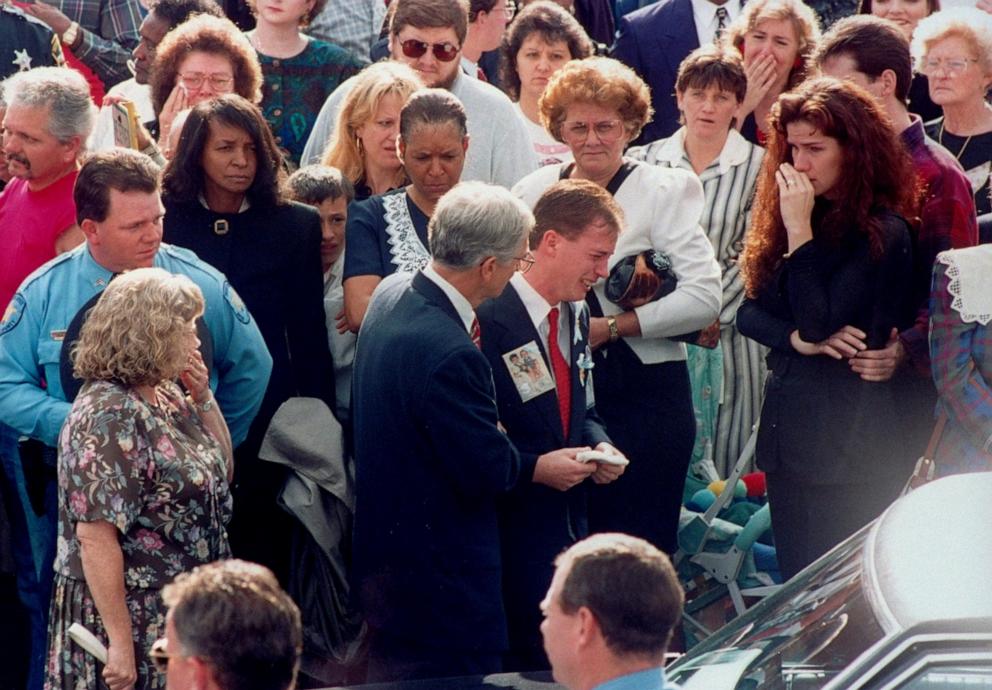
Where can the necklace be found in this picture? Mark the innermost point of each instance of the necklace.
(940, 140)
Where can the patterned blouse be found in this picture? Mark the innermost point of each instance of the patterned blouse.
(294, 90)
(153, 471)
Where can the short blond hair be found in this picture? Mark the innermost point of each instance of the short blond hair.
(134, 333)
(601, 81)
(804, 22)
(970, 24)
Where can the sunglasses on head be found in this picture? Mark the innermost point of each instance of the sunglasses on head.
(445, 52)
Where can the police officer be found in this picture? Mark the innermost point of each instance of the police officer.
(120, 212)
(26, 42)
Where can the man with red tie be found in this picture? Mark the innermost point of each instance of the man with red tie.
(536, 337)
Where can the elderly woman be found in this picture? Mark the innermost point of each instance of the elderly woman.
(200, 59)
(954, 50)
(597, 106)
(300, 72)
(777, 39)
(143, 478)
(960, 311)
(907, 14)
(727, 381)
(827, 271)
(225, 199)
(388, 234)
(363, 146)
(541, 40)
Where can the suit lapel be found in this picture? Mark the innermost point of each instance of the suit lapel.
(678, 38)
(516, 329)
(578, 354)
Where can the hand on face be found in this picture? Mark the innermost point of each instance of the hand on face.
(796, 203)
(195, 377)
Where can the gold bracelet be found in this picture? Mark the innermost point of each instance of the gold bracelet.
(611, 323)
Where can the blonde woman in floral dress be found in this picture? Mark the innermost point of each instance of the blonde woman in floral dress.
(143, 478)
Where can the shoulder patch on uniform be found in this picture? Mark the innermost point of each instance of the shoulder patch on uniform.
(234, 299)
(12, 315)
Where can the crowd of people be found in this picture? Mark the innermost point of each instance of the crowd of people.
(523, 281)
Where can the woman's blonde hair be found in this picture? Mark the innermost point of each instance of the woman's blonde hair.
(372, 84)
(804, 22)
(601, 81)
(135, 332)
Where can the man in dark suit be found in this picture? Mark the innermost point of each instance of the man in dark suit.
(430, 457)
(654, 40)
(536, 337)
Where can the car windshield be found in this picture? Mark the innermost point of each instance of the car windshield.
(800, 637)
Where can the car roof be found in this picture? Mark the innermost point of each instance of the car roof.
(928, 557)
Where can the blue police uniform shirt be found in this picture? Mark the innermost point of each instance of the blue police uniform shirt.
(33, 327)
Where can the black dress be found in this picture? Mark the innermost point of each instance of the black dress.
(271, 255)
(974, 153)
(826, 437)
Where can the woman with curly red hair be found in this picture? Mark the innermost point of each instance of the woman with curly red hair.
(827, 269)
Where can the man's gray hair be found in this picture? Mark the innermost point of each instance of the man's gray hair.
(63, 91)
(476, 220)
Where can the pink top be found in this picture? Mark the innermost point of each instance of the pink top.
(30, 222)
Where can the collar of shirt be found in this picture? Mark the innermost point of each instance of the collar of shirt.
(672, 151)
(470, 68)
(245, 204)
(92, 272)
(335, 269)
(458, 301)
(538, 309)
(914, 135)
(704, 14)
(650, 679)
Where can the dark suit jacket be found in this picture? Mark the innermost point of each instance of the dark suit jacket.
(430, 464)
(653, 41)
(536, 521)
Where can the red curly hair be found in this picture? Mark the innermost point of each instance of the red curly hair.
(877, 173)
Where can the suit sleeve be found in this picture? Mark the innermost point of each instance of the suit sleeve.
(460, 418)
(675, 230)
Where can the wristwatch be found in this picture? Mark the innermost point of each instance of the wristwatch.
(71, 34)
(611, 323)
(205, 406)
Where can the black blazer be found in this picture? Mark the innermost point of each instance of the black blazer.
(653, 41)
(430, 464)
(547, 520)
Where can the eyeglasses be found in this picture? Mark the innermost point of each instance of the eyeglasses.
(952, 66)
(509, 9)
(159, 656)
(525, 262)
(608, 131)
(445, 52)
(218, 82)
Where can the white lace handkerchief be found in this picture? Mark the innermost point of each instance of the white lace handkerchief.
(970, 271)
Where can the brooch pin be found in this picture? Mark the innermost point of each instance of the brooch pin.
(585, 364)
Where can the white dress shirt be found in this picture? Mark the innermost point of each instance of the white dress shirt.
(458, 300)
(538, 309)
(704, 15)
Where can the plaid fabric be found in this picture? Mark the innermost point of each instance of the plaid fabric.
(109, 31)
(352, 24)
(947, 221)
(961, 356)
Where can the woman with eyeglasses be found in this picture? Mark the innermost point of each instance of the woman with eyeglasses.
(143, 479)
(597, 106)
(907, 14)
(539, 43)
(198, 60)
(387, 234)
(299, 72)
(363, 146)
(954, 49)
(225, 198)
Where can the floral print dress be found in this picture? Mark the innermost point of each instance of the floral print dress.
(158, 475)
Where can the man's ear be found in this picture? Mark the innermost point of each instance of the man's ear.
(589, 630)
(89, 230)
(202, 676)
(488, 267)
(72, 148)
(889, 80)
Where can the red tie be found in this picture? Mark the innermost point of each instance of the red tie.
(480, 75)
(563, 375)
(476, 333)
